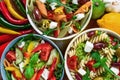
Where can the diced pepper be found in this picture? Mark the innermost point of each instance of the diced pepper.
(10, 56)
(39, 73)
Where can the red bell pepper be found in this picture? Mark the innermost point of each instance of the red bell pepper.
(10, 56)
(52, 68)
(72, 62)
(8, 17)
(2, 47)
(39, 73)
(45, 49)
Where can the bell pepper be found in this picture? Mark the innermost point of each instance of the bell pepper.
(2, 47)
(39, 73)
(8, 17)
(10, 56)
(12, 11)
(15, 70)
(20, 6)
(52, 68)
(8, 31)
(5, 23)
(72, 62)
(59, 10)
(45, 49)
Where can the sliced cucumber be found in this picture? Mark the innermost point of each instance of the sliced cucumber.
(53, 54)
(19, 55)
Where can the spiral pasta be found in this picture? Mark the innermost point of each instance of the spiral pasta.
(99, 38)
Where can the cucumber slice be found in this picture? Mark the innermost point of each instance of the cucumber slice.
(19, 55)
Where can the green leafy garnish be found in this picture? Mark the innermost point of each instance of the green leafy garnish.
(77, 25)
(48, 31)
(40, 65)
(86, 76)
(58, 72)
(34, 59)
(80, 51)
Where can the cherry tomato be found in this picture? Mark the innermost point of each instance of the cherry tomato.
(10, 56)
(72, 62)
(56, 33)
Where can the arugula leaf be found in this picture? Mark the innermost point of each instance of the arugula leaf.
(86, 76)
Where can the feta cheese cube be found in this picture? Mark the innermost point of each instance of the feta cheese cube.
(53, 5)
(88, 46)
(81, 71)
(115, 70)
(70, 31)
(75, 1)
(79, 16)
(53, 25)
(45, 74)
(43, 1)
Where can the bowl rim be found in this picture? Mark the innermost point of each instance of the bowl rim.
(3, 72)
(64, 38)
(71, 42)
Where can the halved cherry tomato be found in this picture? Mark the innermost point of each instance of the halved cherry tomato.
(10, 56)
(53, 78)
(72, 62)
(112, 41)
(56, 33)
(90, 65)
(44, 49)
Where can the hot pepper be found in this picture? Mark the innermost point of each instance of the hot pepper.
(7, 15)
(8, 31)
(2, 47)
(19, 5)
(7, 37)
(12, 11)
(3, 22)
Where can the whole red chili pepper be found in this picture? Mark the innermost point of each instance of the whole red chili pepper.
(6, 37)
(24, 2)
(7, 15)
(2, 47)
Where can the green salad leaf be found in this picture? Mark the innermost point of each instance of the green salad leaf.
(86, 76)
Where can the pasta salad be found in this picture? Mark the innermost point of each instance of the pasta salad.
(94, 55)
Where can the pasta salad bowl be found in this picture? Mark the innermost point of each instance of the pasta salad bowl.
(93, 55)
(59, 19)
(32, 57)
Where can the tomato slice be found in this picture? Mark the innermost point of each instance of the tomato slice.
(72, 62)
(44, 49)
(10, 56)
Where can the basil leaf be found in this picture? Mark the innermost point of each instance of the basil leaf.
(86, 76)
(96, 65)
(29, 72)
(95, 55)
(34, 59)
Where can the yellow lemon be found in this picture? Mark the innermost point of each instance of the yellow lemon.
(110, 21)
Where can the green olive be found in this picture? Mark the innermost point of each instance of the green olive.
(98, 78)
(118, 52)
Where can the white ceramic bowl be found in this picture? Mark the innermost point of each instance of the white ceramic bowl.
(64, 38)
(74, 39)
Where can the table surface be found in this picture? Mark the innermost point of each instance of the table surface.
(64, 43)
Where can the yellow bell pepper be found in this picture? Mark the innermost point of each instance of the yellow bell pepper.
(12, 11)
(17, 71)
(59, 10)
(8, 31)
